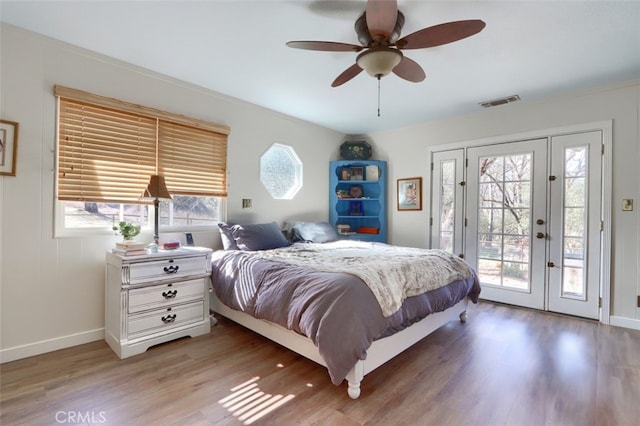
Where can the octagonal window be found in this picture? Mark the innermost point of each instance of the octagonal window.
(281, 171)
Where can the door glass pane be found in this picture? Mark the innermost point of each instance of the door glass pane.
(574, 222)
(447, 204)
(504, 221)
(515, 249)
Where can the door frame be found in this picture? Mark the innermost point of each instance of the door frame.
(606, 127)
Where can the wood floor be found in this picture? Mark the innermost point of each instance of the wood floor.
(505, 366)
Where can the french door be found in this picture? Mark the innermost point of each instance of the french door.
(532, 226)
(575, 224)
(448, 170)
(506, 204)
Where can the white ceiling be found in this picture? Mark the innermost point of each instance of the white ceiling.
(530, 48)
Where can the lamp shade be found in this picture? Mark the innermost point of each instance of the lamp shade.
(156, 189)
(379, 61)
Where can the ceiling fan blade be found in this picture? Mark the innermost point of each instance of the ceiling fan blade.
(409, 70)
(381, 18)
(347, 75)
(325, 46)
(441, 34)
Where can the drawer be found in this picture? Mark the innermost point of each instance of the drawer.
(172, 268)
(157, 296)
(164, 319)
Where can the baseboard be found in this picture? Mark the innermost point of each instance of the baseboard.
(625, 322)
(32, 349)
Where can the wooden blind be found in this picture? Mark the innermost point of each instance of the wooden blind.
(193, 161)
(103, 155)
(107, 149)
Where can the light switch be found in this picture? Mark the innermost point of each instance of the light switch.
(627, 204)
(246, 203)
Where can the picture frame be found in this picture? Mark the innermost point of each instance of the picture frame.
(345, 173)
(410, 194)
(372, 172)
(356, 208)
(356, 191)
(8, 147)
(357, 173)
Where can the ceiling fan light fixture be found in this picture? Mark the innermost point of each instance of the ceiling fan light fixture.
(379, 61)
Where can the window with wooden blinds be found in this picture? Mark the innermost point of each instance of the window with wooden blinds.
(108, 149)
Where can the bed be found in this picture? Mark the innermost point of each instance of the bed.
(330, 299)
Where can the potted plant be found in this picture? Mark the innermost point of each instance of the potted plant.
(128, 230)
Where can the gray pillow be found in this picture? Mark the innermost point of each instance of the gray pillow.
(260, 236)
(226, 235)
(316, 232)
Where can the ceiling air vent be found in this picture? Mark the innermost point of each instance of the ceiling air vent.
(500, 101)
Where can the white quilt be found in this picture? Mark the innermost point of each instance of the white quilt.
(392, 273)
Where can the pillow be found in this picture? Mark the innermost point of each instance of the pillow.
(287, 228)
(226, 235)
(260, 236)
(316, 232)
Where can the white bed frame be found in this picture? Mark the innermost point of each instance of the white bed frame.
(381, 350)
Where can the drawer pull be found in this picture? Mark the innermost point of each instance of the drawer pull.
(169, 294)
(169, 318)
(171, 269)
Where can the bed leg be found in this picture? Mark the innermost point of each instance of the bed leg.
(354, 378)
(463, 317)
(354, 390)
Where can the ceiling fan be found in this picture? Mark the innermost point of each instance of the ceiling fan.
(378, 30)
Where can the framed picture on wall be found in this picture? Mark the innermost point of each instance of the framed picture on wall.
(410, 194)
(8, 147)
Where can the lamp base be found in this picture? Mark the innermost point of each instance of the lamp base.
(156, 213)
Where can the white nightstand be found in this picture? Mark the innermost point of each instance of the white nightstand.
(156, 298)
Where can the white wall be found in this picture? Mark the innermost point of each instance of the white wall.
(620, 102)
(52, 288)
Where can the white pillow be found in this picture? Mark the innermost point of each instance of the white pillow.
(315, 232)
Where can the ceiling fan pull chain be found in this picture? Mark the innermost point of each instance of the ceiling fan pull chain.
(378, 96)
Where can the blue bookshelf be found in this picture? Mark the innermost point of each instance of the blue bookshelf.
(358, 198)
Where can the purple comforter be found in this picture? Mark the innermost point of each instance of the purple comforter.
(337, 311)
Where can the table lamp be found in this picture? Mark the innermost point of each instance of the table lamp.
(155, 191)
